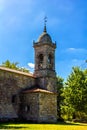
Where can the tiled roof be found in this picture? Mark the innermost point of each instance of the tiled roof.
(16, 71)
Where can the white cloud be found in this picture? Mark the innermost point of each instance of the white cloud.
(77, 50)
(71, 49)
(31, 65)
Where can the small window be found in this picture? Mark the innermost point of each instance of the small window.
(27, 108)
(14, 99)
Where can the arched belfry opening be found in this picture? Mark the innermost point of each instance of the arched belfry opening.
(49, 58)
(40, 61)
(50, 61)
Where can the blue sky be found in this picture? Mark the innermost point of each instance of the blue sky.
(21, 22)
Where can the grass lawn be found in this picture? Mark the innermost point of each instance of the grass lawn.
(59, 126)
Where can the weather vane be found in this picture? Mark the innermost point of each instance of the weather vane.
(45, 20)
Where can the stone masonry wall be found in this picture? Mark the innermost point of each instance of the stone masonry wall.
(30, 106)
(47, 107)
(39, 106)
(11, 84)
(49, 83)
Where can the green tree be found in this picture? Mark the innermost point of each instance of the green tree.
(13, 65)
(59, 97)
(8, 64)
(75, 92)
(67, 108)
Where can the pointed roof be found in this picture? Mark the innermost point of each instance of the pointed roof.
(45, 30)
(45, 37)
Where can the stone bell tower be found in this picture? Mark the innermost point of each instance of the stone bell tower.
(45, 61)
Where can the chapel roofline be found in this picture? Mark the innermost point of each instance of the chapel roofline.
(17, 72)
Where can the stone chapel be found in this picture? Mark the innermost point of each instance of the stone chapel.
(31, 97)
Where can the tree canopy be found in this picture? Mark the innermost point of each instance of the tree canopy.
(59, 97)
(75, 92)
(13, 65)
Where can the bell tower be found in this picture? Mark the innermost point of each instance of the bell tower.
(45, 61)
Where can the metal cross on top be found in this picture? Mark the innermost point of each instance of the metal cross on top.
(45, 20)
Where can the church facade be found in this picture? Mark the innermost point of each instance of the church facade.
(28, 96)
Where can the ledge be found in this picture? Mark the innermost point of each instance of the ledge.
(17, 72)
(36, 90)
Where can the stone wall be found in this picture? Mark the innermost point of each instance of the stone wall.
(12, 82)
(49, 83)
(17, 100)
(30, 106)
(48, 107)
(40, 106)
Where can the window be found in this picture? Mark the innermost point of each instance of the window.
(27, 108)
(40, 60)
(50, 61)
(14, 99)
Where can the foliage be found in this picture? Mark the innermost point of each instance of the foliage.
(75, 94)
(13, 65)
(59, 97)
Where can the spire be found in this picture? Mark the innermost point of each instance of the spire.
(45, 20)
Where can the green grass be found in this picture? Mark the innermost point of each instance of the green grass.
(59, 126)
